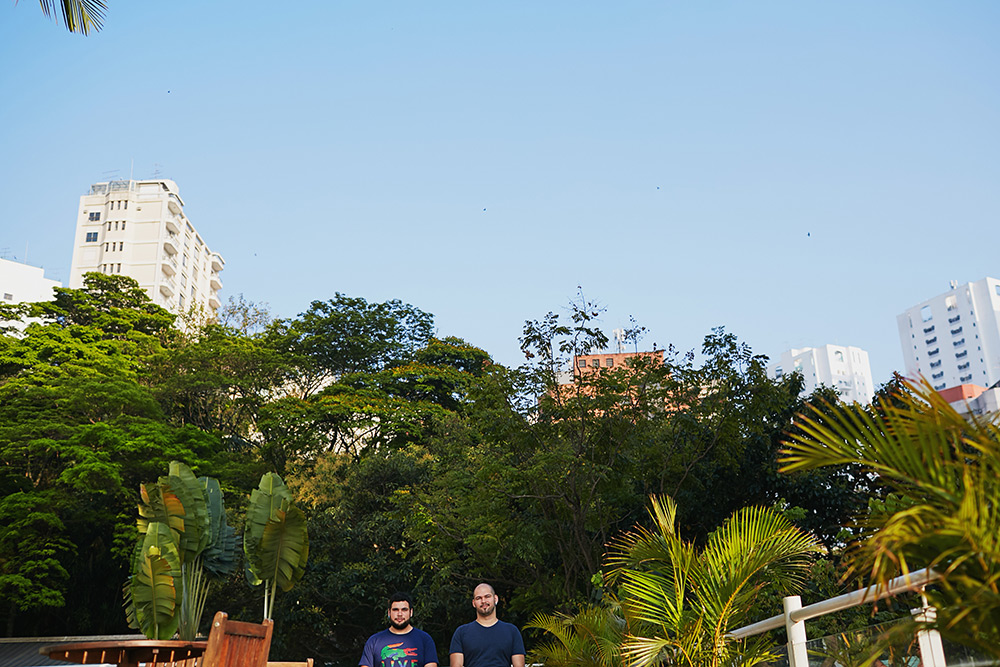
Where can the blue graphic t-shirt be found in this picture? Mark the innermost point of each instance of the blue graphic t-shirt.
(387, 649)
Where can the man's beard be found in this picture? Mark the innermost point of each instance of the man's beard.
(485, 612)
(400, 626)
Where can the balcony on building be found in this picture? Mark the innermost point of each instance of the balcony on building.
(171, 243)
(217, 262)
(215, 281)
(167, 286)
(213, 302)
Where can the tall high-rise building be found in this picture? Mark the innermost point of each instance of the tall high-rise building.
(954, 338)
(138, 229)
(843, 368)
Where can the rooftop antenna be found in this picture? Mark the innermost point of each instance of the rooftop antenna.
(131, 169)
(953, 283)
(108, 174)
(156, 169)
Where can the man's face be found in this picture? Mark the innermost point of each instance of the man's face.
(399, 614)
(484, 600)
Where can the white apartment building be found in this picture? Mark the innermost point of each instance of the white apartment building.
(843, 368)
(138, 229)
(21, 283)
(954, 338)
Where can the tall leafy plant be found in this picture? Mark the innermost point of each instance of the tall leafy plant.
(677, 602)
(275, 539)
(185, 542)
(943, 471)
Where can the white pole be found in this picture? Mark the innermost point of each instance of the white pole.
(798, 656)
(931, 650)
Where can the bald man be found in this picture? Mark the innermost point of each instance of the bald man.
(486, 641)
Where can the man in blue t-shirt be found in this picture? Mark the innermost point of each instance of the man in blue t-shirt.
(487, 641)
(401, 644)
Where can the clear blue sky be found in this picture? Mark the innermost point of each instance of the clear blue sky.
(798, 172)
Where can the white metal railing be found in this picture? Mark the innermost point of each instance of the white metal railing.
(795, 616)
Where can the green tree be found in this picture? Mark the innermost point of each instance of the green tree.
(944, 473)
(217, 379)
(78, 432)
(348, 335)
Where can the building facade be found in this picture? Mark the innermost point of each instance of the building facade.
(954, 338)
(20, 283)
(138, 229)
(843, 368)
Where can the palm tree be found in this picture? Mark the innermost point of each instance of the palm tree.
(678, 602)
(80, 16)
(944, 474)
(590, 638)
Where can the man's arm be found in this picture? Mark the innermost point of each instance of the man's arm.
(517, 660)
(457, 660)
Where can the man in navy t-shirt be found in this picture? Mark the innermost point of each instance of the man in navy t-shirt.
(487, 641)
(401, 644)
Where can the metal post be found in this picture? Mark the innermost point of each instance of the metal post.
(931, 650)
(798, 656)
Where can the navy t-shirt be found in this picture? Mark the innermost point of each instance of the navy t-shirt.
(490, 646)
(387, 649)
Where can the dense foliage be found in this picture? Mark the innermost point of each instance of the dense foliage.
(420, 463)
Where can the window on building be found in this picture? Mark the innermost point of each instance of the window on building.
(105, 247)
(116, 225)
(951, 303)
(123, 225)
(596, 363)
(96, 216)
(91, 237)
(609, 362)
(126, 204)
(7, 296)
(925, 313)
(839, 356)
(997, 288)
(581, 363)
(121, 245)
(118, 269)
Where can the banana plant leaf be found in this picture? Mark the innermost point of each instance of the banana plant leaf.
(220, 556)
(159, 504)
(197, 527)
(153, 590)
(270, 497)
(284, 549)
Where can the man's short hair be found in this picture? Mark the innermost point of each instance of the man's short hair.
(400, 596)
(483, 583)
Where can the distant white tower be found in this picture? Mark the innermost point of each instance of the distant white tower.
(138, 229)
(954, 338)
(843, 368)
